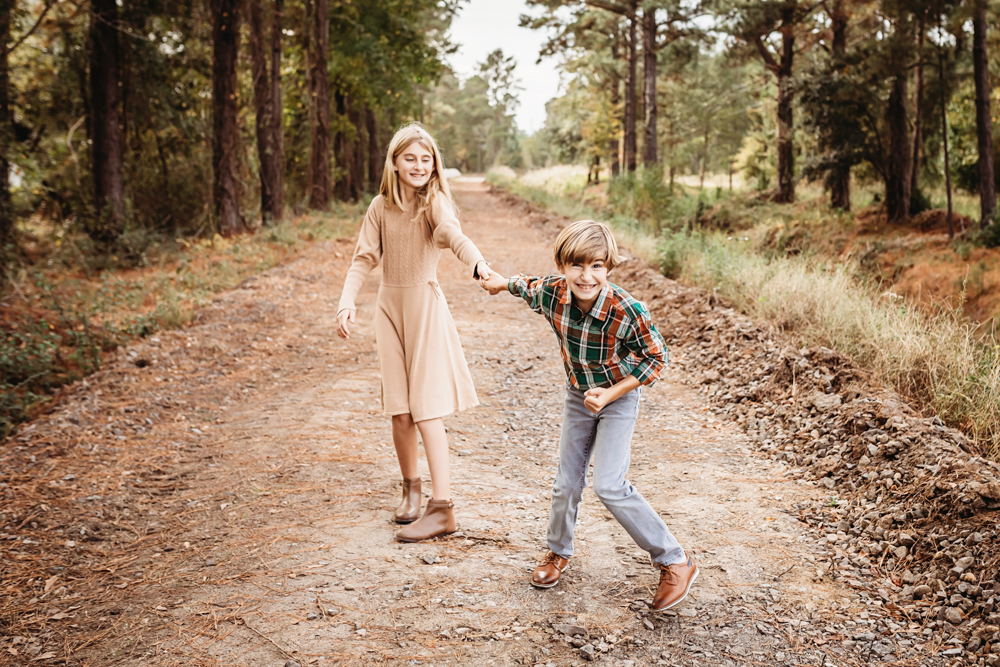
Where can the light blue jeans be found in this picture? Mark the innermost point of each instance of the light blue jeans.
(607, 437)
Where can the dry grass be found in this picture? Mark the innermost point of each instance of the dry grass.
(939, 361)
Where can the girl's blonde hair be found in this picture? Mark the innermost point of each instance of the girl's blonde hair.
(436, 185)
(586, 241)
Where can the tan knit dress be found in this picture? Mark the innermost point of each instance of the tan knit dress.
(424, 372)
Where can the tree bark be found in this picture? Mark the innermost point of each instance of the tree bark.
(225, 147)
(6, 214)
(984, 125)
(781, 67)
(342, 152)
(319, 86)
(630, 73)
(106, 147)
(649, 156)
(376, 162)
(840, 177)
(613, 145)
(356, 148)
(918, 121)
(277, 109)
(944, 141)
(263, 94)
(897, 187)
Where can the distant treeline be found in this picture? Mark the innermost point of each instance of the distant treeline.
(896, 91)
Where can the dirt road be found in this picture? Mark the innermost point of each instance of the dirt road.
(237, 481)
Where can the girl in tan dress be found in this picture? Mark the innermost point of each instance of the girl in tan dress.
(424, 374)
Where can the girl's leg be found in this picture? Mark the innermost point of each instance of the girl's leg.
(404, 437)
(436, 448)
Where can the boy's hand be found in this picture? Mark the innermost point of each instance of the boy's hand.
(494, 284)
(597, 398)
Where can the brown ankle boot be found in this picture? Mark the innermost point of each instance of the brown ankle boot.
(439, 519)
(409, 508)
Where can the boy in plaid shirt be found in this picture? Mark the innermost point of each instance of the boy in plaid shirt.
(610, 350)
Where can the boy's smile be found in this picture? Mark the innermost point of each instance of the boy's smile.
(586, 280)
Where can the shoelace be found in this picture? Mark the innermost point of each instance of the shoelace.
(668, 574)
(550, 558)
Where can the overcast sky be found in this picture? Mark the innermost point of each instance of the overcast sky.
(483, 26)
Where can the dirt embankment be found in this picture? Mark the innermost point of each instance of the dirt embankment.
(223, 494)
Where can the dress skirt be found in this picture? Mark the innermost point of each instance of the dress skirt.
(424, 372)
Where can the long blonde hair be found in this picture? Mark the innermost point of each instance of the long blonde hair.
(436, 185)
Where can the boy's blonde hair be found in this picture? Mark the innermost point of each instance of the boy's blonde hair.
(585, 241)
(436, 185)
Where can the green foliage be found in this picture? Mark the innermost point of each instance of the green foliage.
(643, 195)
(989, 236)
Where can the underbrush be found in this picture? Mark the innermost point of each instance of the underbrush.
(57, 318)
(938, 360)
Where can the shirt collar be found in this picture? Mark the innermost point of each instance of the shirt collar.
(601, 306)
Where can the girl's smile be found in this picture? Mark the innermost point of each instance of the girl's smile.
(414, 166)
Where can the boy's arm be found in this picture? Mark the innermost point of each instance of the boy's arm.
(533, 290)
(646, 343)
(598, 397)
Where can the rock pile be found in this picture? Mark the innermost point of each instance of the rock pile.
(910, 512)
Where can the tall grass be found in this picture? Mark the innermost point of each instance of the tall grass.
(938, 361)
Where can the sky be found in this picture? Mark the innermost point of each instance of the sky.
(483, 26)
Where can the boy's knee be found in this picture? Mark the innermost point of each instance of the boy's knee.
(611, 489)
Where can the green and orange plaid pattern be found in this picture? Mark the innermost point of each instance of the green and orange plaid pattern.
(602, 347)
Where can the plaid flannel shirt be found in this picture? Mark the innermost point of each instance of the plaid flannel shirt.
(602, 347)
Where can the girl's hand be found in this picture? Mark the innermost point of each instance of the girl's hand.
(483, 269)
(343, 317)
(597, 398)
(494, 284)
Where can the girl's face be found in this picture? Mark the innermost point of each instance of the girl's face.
(414, 166)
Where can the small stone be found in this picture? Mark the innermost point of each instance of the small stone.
(210, 563)
(464, 452)
(348, 587)
(333, 611)
(864, 460)
(578, 642)
(361, 632)
(292, 663)
(973, 644)
(587, 652)
(430, 559)
(906, 539)
(570, 630)
(963, 564)
(922, 591)
(951, 652)
(882, 649)
(872, 450)
(900, 552)
(648, 623)
(311, 616)
(953, 615)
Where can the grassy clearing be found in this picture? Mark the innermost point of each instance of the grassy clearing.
(938, 360)
(58, 317)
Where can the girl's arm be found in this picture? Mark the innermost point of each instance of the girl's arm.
(367, 255)
(448, 234)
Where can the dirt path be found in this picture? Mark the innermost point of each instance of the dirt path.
(237, 481)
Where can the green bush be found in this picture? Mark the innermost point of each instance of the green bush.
(989, 236)
(643, 195)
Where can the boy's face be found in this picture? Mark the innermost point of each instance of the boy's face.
(586, 280)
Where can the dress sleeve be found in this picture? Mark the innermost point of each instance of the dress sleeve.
(448, 232)
(367, 255)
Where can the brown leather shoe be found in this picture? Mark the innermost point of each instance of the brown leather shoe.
(549, 571)
(439, 519)
(409, 508)
(675, 583)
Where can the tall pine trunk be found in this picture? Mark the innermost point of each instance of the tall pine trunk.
(270, 168)
(840, 176)
(319, 87)
(984, 125)
(356, 148)
(786, 153)
(613, 144)
(106, 148)
(897, 186)
(6, 214)
(277, 108)
(918, 114)
(376, 163)
(225, 145)
(630, 73)
(649, 157)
